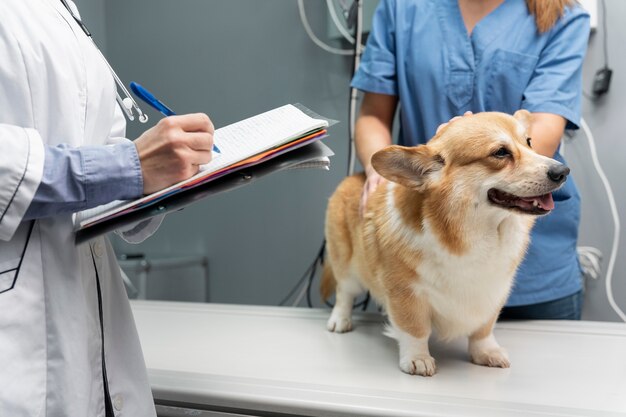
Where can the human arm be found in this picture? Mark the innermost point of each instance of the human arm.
(174, 149)
(553, 94)
(171, 151)
(373, 133)
(79, 178)
(376, 77)
(25, 123)
(190, 139)
(546, 130)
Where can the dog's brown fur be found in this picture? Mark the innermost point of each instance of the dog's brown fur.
(426, 237)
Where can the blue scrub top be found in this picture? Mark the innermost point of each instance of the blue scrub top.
(419, 51)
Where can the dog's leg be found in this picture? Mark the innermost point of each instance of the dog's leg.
(340, 320)
(411, 327)
(485, 350)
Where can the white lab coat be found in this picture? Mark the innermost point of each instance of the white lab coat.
(55, 88)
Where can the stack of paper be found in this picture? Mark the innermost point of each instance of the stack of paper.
(242, 144)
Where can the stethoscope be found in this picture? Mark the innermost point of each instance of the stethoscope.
(128, 104)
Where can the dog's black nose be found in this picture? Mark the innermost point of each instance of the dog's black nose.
(558, 173)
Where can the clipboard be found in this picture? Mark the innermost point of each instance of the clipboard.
(306, 155)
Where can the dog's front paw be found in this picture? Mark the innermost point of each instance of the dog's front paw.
(418, 365)
(339, 324)
(495, 357)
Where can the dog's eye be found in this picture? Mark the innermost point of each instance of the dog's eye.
(503, 152)
(528, 140)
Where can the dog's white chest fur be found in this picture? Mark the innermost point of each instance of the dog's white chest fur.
(465, 291)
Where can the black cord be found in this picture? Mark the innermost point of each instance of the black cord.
(297, 285)
(366, 301)
(309, 285)
(309, 303)
(319, 259)
(351, 132)
(309, 273)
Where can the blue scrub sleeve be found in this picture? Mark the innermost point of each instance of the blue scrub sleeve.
(76, 179)
(377, 71)
(556, 84)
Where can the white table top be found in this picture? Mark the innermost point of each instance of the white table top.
(283, 360)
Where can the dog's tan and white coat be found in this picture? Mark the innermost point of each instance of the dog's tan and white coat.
(439, 243)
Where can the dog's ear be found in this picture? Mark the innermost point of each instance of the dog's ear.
(410, 167)
(524, 117)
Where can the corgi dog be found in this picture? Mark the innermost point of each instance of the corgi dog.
(439, 242)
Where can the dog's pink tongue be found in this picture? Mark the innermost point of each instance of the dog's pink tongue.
(546, 201)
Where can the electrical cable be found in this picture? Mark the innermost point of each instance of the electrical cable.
(295, 287)
(616, 220)
(602, 77)
(318, 259)
(358, 50)
(300, 296)
(306, 288)
(363, 304)
(309, 301)
(604, 35)
(314, 38)
(340, 27)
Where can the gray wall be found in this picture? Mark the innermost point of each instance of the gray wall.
(233, 59)
(605, 118)
(93, 15)
(236, 58)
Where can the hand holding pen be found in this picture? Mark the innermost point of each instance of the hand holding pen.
(157, 104)
(173, 150)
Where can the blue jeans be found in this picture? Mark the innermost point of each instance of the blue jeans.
(566, 308)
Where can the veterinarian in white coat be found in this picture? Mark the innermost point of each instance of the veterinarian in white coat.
(68, 344)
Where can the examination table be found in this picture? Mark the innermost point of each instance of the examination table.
(229, 360)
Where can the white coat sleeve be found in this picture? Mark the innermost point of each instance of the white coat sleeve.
(21, 149)
(140, 231)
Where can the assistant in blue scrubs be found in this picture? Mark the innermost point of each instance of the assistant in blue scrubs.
(419, 52)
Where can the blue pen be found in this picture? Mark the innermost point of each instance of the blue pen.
(150, 99)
